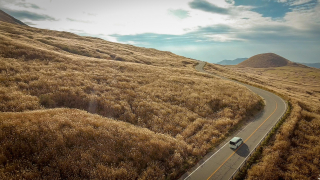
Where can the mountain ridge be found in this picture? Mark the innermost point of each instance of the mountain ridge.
(231, 62)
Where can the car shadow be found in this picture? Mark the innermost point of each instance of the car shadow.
(243, 151)
(259, 115)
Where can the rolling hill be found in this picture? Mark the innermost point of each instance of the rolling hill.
(86, 108)
(239, 60)
(267, 60)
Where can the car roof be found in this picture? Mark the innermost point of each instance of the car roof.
(235, 139)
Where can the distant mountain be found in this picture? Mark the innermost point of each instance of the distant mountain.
(232, 62)
(9, 19)
(267, 60)
(315, 65)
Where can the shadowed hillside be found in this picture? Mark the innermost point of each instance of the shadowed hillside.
(4, 17)
(124, 112)
(267, 60)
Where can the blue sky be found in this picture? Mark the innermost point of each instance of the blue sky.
(209, 30)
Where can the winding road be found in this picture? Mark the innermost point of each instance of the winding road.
(224, 162)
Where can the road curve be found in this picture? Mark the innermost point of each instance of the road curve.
(223, 163)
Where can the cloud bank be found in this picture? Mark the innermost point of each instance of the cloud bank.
(209, 30)
(208, 7)
(28, 15)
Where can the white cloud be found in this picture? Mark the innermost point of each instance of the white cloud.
(281, 1)
(109, 38)
(122, 16)
(126, 17)
(304, 19)
(299, 2)
(223, 38)
(132, 17)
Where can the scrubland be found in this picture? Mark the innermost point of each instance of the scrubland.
(77, 107)
(294, 152)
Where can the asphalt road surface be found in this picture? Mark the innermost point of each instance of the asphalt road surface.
(223, 162)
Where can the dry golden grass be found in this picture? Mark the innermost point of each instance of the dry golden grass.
(295, 151)
(154, 93)
(74, 144)
(29, 43)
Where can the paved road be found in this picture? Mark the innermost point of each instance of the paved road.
(225, 161)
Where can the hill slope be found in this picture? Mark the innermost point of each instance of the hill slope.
(9, 19)
(267, 60)
(157, 93)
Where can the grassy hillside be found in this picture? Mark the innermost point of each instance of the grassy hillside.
(294, 152)
(69, 143)
(267, 60)
(46, 45)
(173, 113)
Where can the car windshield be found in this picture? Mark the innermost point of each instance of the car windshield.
(232, 143)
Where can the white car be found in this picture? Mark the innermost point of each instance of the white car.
(235, 142)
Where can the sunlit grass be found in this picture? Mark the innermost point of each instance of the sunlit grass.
(172, 113)
(69, 143)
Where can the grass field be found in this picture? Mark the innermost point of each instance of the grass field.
(77, 107)
(73, 144)
(294, 152)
